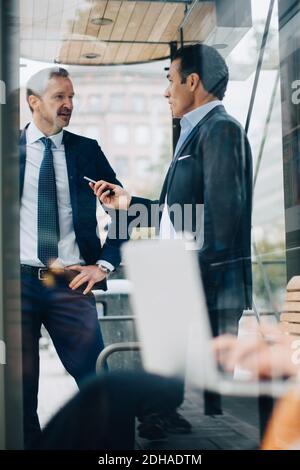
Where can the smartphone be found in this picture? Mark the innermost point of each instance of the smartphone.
(111, 192)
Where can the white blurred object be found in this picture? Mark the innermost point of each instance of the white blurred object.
(172, 319)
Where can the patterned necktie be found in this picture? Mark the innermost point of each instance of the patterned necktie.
(48, 225)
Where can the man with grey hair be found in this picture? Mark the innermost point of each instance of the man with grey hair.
(61, 255)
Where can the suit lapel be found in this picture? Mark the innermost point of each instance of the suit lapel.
(72, 153)
(187, 142)
(174, 162)
(164, 188)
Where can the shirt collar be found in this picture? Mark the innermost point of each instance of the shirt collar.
(191, 119)
(33, 134)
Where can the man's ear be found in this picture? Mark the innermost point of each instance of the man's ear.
(194, 80)
(33, 101)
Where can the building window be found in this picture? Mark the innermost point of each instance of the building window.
(94, 103)
(138, 103)
(142, 166)
(120, 134)
(117, 103)
(161, 136)
(142, 135)
(121, 167)
(158, 104)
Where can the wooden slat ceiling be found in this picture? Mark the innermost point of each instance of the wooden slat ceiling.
(62, 31)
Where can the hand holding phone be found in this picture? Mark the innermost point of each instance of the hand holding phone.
(111, 195)
(111, 192)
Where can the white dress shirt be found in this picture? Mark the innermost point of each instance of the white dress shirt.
(187, 124)
(68, 250)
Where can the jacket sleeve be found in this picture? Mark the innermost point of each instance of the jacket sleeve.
(227, 195)
(143, 213)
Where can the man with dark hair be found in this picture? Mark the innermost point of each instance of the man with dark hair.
(211, 170)
(61, 255)
(208, 64)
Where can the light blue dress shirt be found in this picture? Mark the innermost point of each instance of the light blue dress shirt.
(191, 119)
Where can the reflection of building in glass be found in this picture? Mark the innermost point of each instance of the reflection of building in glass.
(129, 116)
(124, 109)
(126, 112)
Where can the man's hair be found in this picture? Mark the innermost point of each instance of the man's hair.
(208, 64)
(37, 84)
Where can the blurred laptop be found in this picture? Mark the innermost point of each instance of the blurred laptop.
(172, 319)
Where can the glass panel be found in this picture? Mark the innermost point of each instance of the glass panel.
(237, 35)
(124, 109)
(139, 103)
(11, 412)
(265, 135)
(142, 135)
(120, 134)
(116, 103)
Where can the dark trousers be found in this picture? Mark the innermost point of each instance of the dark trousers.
(71, 321)
(101, 416)
(221, 321)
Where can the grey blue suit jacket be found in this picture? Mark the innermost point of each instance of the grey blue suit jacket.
(214, 167)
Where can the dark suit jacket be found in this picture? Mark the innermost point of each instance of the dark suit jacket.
(84, 158)
(218, 174)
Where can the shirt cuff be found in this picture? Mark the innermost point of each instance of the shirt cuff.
(106, 264)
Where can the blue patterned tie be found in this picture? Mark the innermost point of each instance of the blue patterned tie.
(48, 225)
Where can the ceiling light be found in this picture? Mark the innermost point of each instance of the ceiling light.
(90, 55)
(101, 21)
(220, 46)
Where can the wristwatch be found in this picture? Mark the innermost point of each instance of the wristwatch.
(105, 269)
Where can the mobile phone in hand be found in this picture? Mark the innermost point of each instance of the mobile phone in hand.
(111, 192)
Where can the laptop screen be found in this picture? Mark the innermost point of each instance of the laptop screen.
(171, 314)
